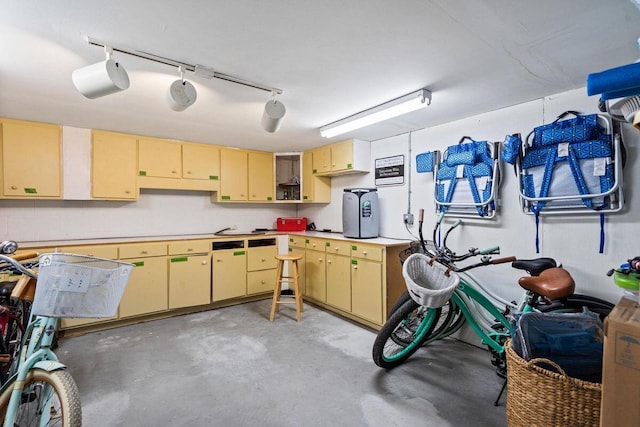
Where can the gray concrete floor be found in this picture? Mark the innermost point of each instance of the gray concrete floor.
(232, 367)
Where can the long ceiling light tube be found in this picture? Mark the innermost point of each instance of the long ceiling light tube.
(396, 107)
(201, 70)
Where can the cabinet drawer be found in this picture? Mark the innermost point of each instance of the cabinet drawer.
(296, 241)
(339, 247)
(315, 244)
(371, 252)
(261, 258)
(261, 281)
(109, 252)
(190, 247)
(141, 250)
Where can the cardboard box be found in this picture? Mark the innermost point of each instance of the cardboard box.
(620, 405)
(291, 224)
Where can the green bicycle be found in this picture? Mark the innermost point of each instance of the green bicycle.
(414, 321)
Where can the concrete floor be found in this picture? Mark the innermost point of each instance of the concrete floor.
(232, 367)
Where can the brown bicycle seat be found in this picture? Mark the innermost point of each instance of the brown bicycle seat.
(552, 283)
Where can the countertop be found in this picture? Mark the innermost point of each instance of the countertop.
(385, 241)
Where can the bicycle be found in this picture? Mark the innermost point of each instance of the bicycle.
(40, 391)
(412, 325)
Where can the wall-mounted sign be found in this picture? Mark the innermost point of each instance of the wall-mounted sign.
(390, 170)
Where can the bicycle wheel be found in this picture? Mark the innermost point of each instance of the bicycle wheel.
(449, 321)
(403, 333)
(48, 399)
(578, 303)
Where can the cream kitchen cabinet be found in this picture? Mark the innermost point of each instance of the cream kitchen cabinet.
(233, 175)
(147, 290)
(189, 273)
(228, 270)
(159, 158)
(200, 162)
(315, 269)
(338, 264)
(261, 184)
(261, 265)
(350, 156)
(297, 247)
(315, 188)
(114, 165)
(31, 159)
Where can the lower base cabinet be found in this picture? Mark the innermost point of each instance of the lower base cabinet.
(189, 280)
(228, 274)
(366, 290)
(147, 290)
(339, 281)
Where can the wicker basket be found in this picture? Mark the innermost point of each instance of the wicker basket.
(429, 283)
(539, 397)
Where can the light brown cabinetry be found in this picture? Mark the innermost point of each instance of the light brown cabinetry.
(297, 247)
(114, 160)
(200, 162)
(147, 290)
(367, 282)
(189, 274)
(228, 270)
(233, 175)
(315, 269)
(315, 188)
(345, 157)
(31, 159)
(260, 176)
(339, 274)
(261, 265)
(159, 158)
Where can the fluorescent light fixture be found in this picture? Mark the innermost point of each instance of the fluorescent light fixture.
(394, 108)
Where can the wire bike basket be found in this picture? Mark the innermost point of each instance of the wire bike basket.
(429, 283)
(72, 285)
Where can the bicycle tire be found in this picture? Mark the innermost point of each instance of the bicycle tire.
(403, 333)
(577, 303)
(65, 409)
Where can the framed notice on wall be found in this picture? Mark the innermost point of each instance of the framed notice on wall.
(390, 170)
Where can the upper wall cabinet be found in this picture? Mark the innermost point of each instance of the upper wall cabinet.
(340, 158)
(315, 189)
(288, 176)
(31, 160)
(233, 175)
(178, 165)
(113, 166)
(260, 176)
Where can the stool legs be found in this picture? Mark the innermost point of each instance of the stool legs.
(292, 279)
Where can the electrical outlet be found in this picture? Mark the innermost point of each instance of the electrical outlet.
(408, 218)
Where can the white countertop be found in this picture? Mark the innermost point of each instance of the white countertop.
(317, 234)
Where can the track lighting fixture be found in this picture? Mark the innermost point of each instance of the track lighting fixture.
(273, 113)
(101, 79)
(181, 93)
(396, 107)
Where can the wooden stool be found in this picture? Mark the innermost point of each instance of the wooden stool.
(293, 279)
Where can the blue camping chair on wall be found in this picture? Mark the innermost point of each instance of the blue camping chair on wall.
(467, 178)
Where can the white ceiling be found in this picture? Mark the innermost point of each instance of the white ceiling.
(332, 58)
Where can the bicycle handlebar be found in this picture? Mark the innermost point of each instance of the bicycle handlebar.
(491, 250)
(503, 260)
(13, 260)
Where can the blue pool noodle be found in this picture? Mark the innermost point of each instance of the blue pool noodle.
(614, 80)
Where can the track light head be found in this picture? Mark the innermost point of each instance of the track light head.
(101, 79)
(181, 95)
(274, 111)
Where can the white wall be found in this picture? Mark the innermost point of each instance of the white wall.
(156, 213)
(573, 241)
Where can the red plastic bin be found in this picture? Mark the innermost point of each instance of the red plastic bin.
(291, 224)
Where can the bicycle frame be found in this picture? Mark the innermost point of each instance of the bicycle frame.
(36, 353)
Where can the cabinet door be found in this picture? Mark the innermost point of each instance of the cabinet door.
(146, 291)
(366, 289)
(321, 160)
(315, 276)
(233, 175)
(339, 281)
(314, 188)
(301, 267)
(189, 281)
(342, 156)
(261, 182)
(229, 274)
(159, 158)
(200, 161)
(261, 281)
(114, 160)
(31, 159)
